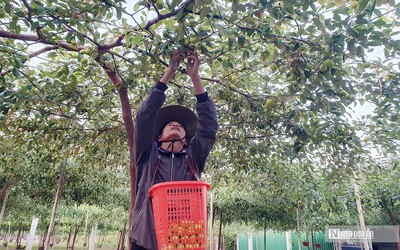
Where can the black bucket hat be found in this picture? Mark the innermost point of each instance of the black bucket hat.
(178, 113)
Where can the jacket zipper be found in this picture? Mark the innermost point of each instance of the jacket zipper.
(172, 165)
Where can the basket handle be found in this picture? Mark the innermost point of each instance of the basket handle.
(156, 165)
(192, 167)
(189, 160)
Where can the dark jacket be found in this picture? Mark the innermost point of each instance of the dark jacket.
(147, 151)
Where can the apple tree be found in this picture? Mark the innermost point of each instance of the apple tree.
(284, 76)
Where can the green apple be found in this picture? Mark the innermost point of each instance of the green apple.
(329, 63)
(268, 103)
(323, 67)
(273, 66)
(302, 47)
(339, 3)
(160, 4)
(367, 64)
(193, 39)
(314, 77)
(293, 77)
(84, 61)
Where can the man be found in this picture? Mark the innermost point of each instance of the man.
(171, 145)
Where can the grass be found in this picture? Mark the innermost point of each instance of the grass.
(109, 242)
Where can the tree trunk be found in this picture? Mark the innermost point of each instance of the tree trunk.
(74, 238)
(100, 241)
(360, 211)
(18, 239)
(220, 231)
(265, 233)
(123, 235)
(119, 240)
(84, 232)
(56, 200)
(298, 229)
(312, 239)
(4, 197)
(393, 221)
(43, 239)
(53, 240)
(392, 217)
(4, 190)
(129, 127)
(7, 237)
(69, 238)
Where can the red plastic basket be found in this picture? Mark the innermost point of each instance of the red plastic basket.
(180, 214)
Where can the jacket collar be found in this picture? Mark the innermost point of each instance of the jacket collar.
(166, 152)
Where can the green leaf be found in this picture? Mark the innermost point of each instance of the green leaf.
(235, 6)
(175, 3)
(136, 40)
(233, 18)
(7, 7)
(375, 43)
(351, 46)
(241, 40)
(373, 5)
(69, 36)
(17, 29)
(246, 55)
(204, 12)
(16, 73)
(250, 20)
(74, 80)
(360, 52)
(179, 15)
(51, 25)
(119, 13)
(81, 39)
(34, 25)
(199, 3)
(227, 64)
(361, 5)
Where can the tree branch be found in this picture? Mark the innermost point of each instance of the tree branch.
(110, 71)
(29, 10)
(31, 55)
(165, 16)
(210, 79)
(117, 42)
(24, 37)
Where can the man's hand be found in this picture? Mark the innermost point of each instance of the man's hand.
(193, 63)
(177, 57)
